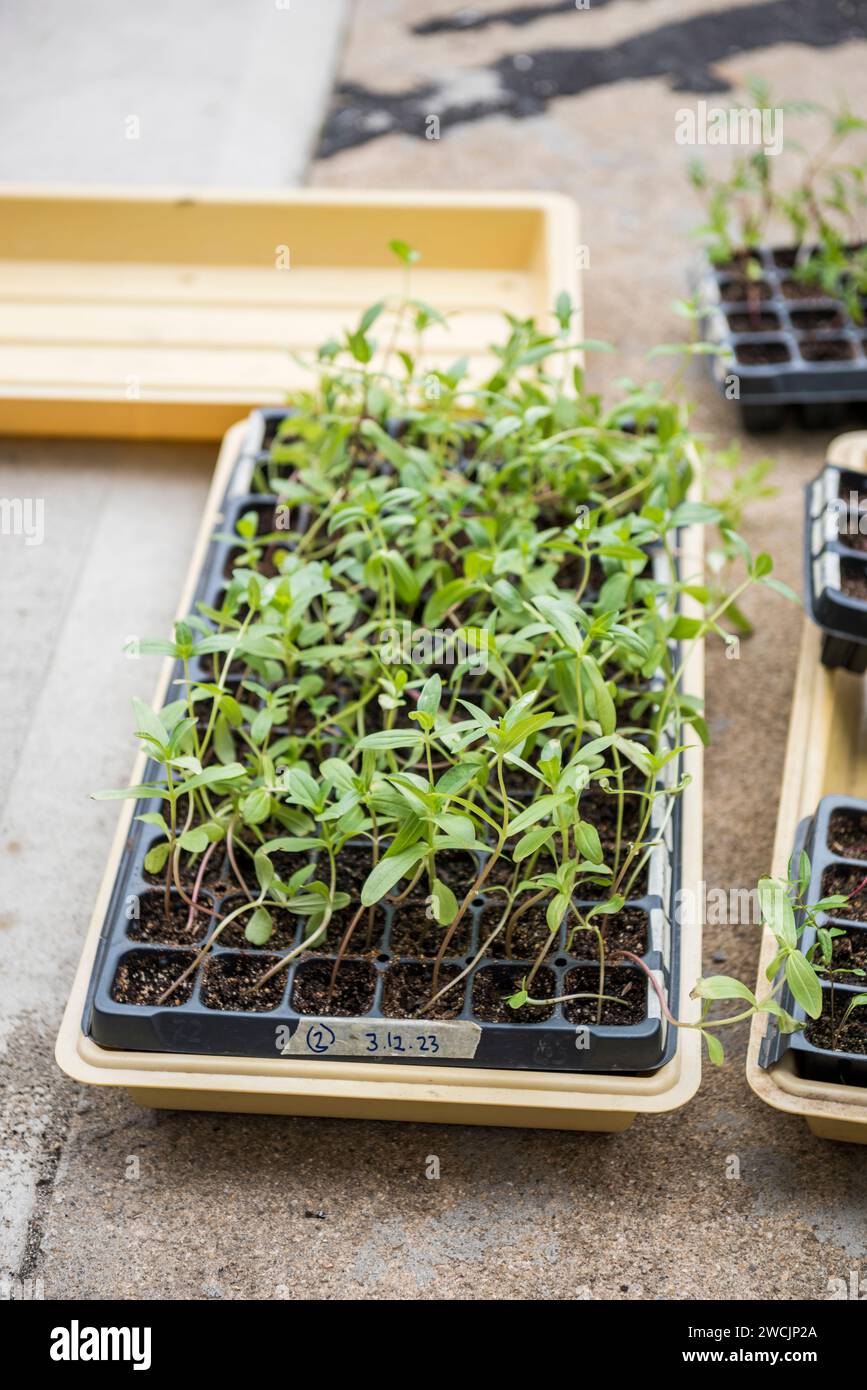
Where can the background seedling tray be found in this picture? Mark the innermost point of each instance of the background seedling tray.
(828, 555)
(468, 1039)
(166, 314)
(827, 390)
(826, 755)
(819, 1063)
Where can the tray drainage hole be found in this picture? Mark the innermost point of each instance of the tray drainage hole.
(383, 959)
(561, 960)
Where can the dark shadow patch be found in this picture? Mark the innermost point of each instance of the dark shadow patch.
(516, 17)
(684, 52)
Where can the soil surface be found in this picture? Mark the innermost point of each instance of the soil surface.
(740, 291)
(809, 320)
(832, 350)
(628, 985)
(761, 354)
(152, 924)
(493, 985)
(408, 985)
(850, 953)
(847, 834)
(839, 879)
(228, 981)
(849, 532)
(763, 322)
(796, 289)
(413, 933)
(854, 581)
(368, 933)
(530, 933)
(142, 976)
(281, 938)
(852, 1038)
(622, 931)
(353, 992)
(215, 875)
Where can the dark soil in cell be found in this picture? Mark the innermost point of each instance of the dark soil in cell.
(849, 531)
(762, 322)
(742, 290)
(457, 869)
(142, 976)
(813, 320)
(353, 992)
(493, 985)
(850, 953)
(840, 879)
(409, 985)
(628, 985)
(852, 1038)
(282, 937)
(570, 575)
(854, 581)
(529, 936)
(798, 289)
(213, 877)
(827, 350)
(622, 931)
(847, 834)
(153, 926)
(354, 863)
(367, 935)
(761, 354)
(228, 983)
(413, 933)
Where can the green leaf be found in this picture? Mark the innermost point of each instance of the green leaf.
(156, 857)
(777, 910)
(565, 626)
(256, 806)
(532, 841)
(605, 710)
(194, 841)
(259, 927)
(392, 738)
(714, 1048)
(149, 724)
(389, 871)
(431, 694)
(722, 987)
(444, 903)
(587, 842)
(804, 983)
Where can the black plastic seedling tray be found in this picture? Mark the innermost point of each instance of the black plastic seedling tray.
(187, 1024)
(791, 347)
(835, 558)
(816, 835)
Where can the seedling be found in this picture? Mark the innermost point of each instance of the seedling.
(521, 522)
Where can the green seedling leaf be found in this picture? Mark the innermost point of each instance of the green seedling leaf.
(721, 987)
(259, 927)
(804, 984)
(389, 871)
(443, 902)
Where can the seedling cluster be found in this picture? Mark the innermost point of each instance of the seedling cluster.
(529, 756)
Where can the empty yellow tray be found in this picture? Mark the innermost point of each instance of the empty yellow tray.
(166, 315)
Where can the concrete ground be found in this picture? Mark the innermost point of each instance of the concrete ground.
(105, 1200)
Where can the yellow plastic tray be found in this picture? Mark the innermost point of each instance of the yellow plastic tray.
(826, 754)
(454, 1095)
(167, 314)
